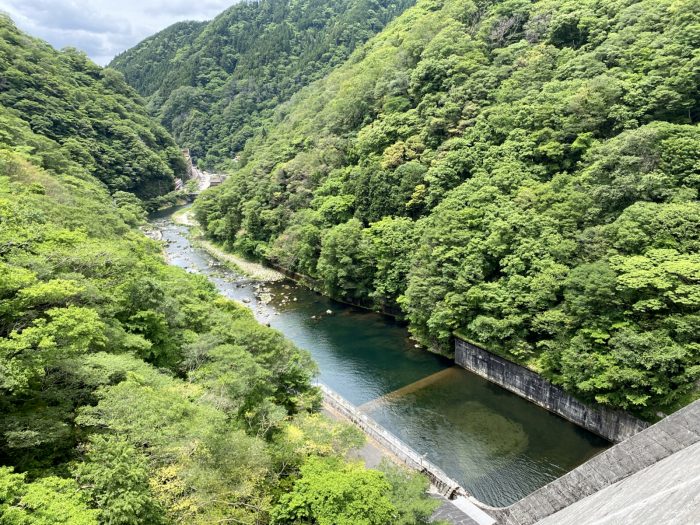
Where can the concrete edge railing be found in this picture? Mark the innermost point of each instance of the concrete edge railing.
(670, 435)
(446, 486)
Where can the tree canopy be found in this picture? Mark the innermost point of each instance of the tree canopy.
(87, 115)
(523, 173)
(130, 391)
(214, 84)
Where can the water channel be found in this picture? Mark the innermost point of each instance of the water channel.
(497, 445)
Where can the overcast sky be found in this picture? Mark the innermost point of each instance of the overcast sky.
(104, 28)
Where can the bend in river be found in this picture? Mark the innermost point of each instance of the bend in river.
(497, 445)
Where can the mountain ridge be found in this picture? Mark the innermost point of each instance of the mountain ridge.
(229, 74)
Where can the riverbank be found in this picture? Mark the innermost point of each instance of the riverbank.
(497, 445)
(611, 425)
(258, 271)
(250, 268)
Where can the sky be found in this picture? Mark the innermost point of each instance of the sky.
(104, 28)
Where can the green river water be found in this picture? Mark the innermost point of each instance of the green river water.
(497, 445)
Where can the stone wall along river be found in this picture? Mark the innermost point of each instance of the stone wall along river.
(613, 425)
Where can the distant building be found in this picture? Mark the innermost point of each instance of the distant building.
(215, 179)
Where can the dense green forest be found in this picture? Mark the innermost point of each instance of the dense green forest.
(130, 392)
(213, 84)
(525, 173)
(90, 113)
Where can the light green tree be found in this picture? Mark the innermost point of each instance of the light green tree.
(115, 477)
(329, 492)
(46, 501)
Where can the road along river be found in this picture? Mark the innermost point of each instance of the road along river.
(497, 445)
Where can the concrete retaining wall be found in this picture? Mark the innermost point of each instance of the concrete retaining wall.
(667, 437)
(445, 485)
(611, 424)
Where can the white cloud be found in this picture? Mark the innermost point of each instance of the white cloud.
(105, 28)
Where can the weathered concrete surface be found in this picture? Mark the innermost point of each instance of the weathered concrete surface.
(667, 493)
(448, 512)
(636, 461)
(372, 454)
(611, 424)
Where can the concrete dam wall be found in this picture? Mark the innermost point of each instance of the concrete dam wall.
(629, 479)
(613, 425)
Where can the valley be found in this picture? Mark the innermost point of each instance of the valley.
(350, 262)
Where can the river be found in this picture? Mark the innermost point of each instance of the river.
(497, 445)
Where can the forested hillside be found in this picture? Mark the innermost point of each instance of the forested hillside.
(87, 112)
(212, 85)
(146, 66)
(130, 392)
(525, 173)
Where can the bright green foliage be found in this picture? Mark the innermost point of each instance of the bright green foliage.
(393, 243)
(86, 305)
(65, 332)
(342, 264)
(508, 170)
(202, 461)
(81, 114)
(408, 494)
(115, 476)
(213, 84)
(155, 56)
(313, 435)
(46, 501)
(330, 493)
(130, 392)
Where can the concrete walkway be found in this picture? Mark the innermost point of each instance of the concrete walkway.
(450, 513)
(372, 453)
